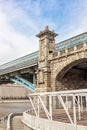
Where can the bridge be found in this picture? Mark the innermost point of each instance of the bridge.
(57, 73)
(58, 66)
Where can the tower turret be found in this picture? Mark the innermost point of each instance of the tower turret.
(46, 43)
(46, 49)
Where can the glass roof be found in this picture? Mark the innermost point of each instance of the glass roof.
(72, 41)
(59, 47)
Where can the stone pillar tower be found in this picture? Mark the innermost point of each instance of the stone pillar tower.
(46, 49)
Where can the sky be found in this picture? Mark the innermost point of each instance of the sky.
(21, 20)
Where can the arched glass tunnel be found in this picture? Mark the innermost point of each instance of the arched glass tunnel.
(73, 76)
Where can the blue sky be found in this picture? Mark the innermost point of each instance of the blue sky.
(21, 20)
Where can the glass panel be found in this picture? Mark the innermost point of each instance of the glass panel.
(79, 46)
(24, 59)
(71, 42)
(70, 49)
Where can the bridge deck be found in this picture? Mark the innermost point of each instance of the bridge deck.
(32, 59)
(20, 63)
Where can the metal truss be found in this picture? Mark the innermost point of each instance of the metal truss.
(77, 97)
(23, 82)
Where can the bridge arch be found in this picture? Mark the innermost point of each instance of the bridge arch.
(69, 66)
(71, 74)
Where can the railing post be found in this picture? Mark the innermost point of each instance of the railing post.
(79, 109)
(86, 103)
(33, 106)
(75, 48)
(62, 103)
(67, 102)
(50, 106)
(45, 109)
(85, 46)
(38, 107)
(66, 51)
(58, 53)
(74, 109)
(81, 104)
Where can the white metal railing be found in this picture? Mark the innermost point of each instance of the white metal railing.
(77, 97)
(9, 120)
(43, 124)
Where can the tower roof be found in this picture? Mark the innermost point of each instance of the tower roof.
(46, 31)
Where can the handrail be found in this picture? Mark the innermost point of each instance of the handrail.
(10, 116)
(66, 92)
(9, 121)
(63, 98)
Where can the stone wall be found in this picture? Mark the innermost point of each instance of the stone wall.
(73, 79)
(13, 91)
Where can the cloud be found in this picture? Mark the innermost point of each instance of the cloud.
(21, 20)
(15, 43)
(74, 19)
(18, 28)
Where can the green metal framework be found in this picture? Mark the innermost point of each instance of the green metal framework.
(23, 82)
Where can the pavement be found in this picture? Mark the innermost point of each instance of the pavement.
(13, 101)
